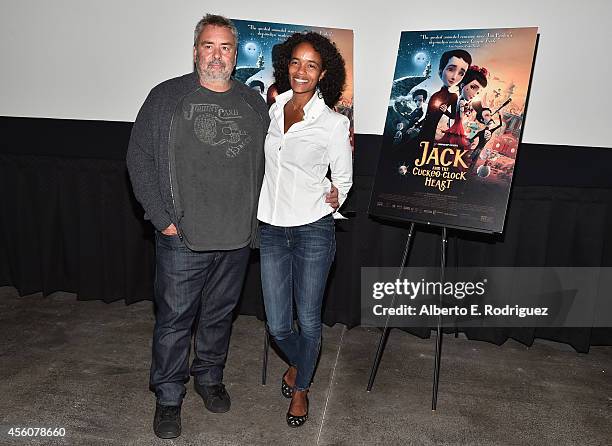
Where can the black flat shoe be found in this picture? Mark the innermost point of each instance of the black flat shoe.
(216, 399)
(286, 389)
(297, 420)
(167, 421)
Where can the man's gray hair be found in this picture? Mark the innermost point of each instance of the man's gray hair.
(214, 20)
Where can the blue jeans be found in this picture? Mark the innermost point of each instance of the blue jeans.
(295, 262)
(195, 292)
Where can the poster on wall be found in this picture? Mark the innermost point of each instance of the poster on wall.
(454, 122)
(255, 54)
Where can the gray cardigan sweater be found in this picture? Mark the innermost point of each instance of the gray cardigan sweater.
(147, 154)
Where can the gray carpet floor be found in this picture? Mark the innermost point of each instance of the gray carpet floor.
(83, 366)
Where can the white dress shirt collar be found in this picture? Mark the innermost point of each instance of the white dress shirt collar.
(313, 108)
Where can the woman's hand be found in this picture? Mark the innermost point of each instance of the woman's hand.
(332, 197)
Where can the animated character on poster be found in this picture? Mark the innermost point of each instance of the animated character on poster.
(474, 81)
(410, 128)
(484, 115)
(452, 68)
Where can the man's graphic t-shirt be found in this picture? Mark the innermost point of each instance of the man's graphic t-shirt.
(217, 137)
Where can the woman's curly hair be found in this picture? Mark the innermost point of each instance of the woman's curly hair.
(331, 85)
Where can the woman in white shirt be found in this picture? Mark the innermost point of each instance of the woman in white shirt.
(305, 139)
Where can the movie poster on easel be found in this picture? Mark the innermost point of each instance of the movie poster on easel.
(254, 64)
(453, 127)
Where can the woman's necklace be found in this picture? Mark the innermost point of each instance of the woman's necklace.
(296, 107)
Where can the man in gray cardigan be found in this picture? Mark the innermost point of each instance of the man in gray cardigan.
(196, 163)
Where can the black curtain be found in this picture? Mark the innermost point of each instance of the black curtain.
(70, 222)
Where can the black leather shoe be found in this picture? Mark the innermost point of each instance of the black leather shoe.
(297, 420)
(286, 389)
(167, 421)
(216, 399)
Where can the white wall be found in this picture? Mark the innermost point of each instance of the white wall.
(82, 59)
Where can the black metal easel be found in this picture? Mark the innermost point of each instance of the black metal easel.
(385, 334)
(439, 334)
(264, 365)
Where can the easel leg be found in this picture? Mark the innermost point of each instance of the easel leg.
(379, 351)
(438, 356)
(264, 367)
(385, 334)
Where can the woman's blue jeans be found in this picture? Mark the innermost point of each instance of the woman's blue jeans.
(295, 262)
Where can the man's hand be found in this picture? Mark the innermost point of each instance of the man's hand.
(332, 198)
(443, 108)
(170, 230)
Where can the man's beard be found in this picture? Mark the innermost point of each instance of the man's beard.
(209, 74)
